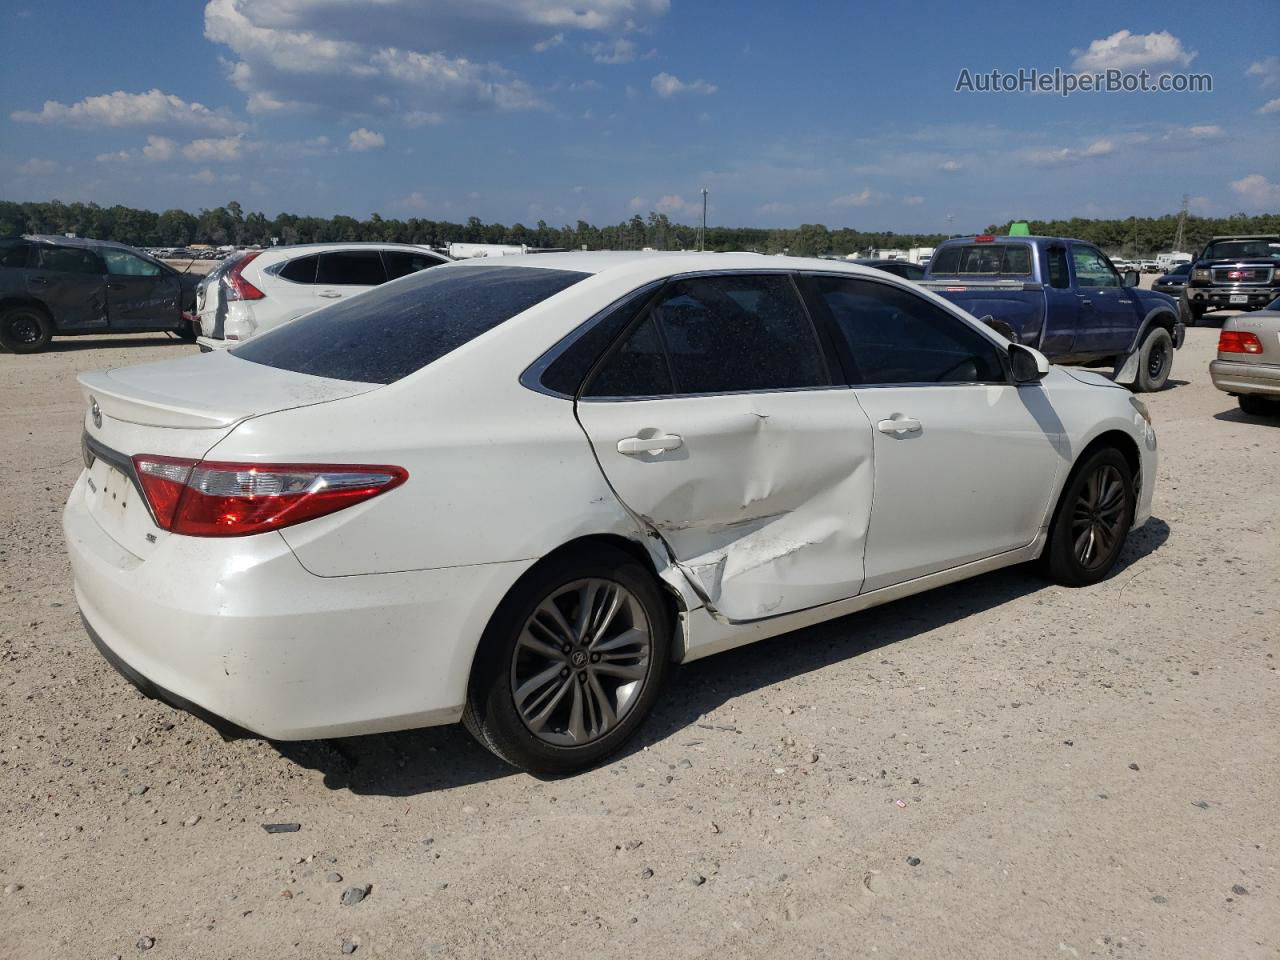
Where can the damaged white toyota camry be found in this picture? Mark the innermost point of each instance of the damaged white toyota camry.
(514, 494)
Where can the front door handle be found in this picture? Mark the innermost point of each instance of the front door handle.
(115, 286)
(1086, 301)
(40, 280)
(634, 446)
(897, 426)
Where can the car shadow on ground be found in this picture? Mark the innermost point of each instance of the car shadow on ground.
(100, 343)
(1236, 415)
(440, 758)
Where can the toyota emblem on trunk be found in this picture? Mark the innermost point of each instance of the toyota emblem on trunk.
(95, 412)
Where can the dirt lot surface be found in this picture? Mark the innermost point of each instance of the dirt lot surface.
(1000, 768)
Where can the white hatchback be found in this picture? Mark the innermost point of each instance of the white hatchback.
(256, 290)
(515, 493)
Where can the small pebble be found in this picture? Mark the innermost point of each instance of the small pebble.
(646, 873)
(1239, 891)
(348, 946)
(685, 763)
(1133, 766)
(146, 943)
(139, 789)
(333, 878)
(12, 887)
(1202, 804)
(353, 895)
(282, 827)
(1159, 899)
(913, 861)
(192, 820)
(696, 879)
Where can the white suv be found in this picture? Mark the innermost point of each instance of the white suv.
(255, 290)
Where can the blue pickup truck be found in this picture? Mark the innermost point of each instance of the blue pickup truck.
(1064, 298)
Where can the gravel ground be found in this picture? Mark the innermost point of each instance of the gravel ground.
(1000, 768)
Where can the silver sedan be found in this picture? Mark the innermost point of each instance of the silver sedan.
(1248, 364)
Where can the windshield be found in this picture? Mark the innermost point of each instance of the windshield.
(982, 259)
(1241, 249)
(400, 327)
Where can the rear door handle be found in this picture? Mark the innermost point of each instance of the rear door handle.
(39, 279)
(330, 295)
(897, 426)
(634, 446)
(115, 286)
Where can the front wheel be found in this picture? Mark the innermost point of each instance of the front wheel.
(1092, 520)
(571, 663)
(1155, 361)
(1257, 406)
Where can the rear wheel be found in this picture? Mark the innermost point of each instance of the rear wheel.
(571, 663)
(1257, 406)
(25, 329)
(1194, 314)
(1155, 361)
(1092, 520)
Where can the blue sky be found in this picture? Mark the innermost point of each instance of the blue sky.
(836, 113)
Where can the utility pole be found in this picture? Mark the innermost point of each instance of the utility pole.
(1181, 236)
(949, 219)
(702, 233)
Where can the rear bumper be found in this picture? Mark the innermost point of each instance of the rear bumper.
(237, 631)
(209, 344)
(1235, 376)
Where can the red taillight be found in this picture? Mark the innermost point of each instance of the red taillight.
(238, 288)
(211, 499)
(984, 239)
(1238, 341)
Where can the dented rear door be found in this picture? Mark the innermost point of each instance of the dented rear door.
(762, 496)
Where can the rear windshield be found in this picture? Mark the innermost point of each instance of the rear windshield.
(983, 259)
(398, 328)
(1239, 249)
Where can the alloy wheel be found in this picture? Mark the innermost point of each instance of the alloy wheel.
(1098, 516)
(581, 661)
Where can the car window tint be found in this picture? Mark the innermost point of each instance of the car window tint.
(67, 260)
(895, 336)
(983, 259)
(14, 255)
(1056, 260)
(571, 364)
(122, 263)
(388, 333)
(351, 268)
(1092, 270)
(912, 272)
(738, 332)
(302, 270)
(401, 263)
(638, 368)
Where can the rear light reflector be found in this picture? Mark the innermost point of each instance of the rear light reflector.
(985, 238)
(213, 499)
(1238, 341)
(238, 288)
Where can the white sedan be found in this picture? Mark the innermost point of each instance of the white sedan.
(515, 493)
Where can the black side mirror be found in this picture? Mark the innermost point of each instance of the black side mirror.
(1028, 365)
(1001, 327)
(1131, 278)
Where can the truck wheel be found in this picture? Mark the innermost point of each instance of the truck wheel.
(25, 329)
(1155, 361)
(1257, 406)
(1194, 315)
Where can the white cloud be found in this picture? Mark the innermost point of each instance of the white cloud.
(1065, 156)
(213, 150)
(422, 118)
(667, 85)
(620, 51)
(672, 203)
(205, 177)
(339, 56)
(119, 156)
(120, 109)
(860, 199)
(362, 140)
(1209, 131)
(1124, 51)
(1257, 189)
(775, 208)
(913, 201)
(950, 166)
(36, 167)
(637, 204)
(1268, 69)
(415, 201)
(1271, 106)
(158, 149)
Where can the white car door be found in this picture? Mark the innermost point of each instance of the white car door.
(716, 422)
(965, 461)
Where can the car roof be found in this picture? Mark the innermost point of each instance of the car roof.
(82, 242)
(1246, 236)
(343, 245)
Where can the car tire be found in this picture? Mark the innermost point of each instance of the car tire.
(1194, 315)
(1155, 361)
(1091, 521)
(1257, 406)
(548, 693)
(25, 329)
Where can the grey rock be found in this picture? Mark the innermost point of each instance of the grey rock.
(646, 873)
(913, 861)
(12, 887)
(633, 844)
(348, 946)
(696, 879)
(146, 943)
(139, 789)
(353, 895)
(1133, 766)
(282, 827)
(333, 878)
(1202, 804)
(1159, 899)
(1240, 891)
(686, 763)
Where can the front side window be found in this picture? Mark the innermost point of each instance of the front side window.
(122, 263)
(1092, 268)
(67, 260)
(735, 333)
(895, 336)
(389, 333)
(359, 268)
(401, 263)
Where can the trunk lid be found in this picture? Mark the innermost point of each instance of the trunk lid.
(177, 408)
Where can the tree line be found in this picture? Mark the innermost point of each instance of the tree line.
(231, 225)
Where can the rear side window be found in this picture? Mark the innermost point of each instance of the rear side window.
(638, 368)
(982, 259)
(14, 255)
(67, 260)
(564, 374)
(735, 333)
(389, 333)
(401, 263)
(302, 270)
(1056, 259)
(361, 268)
(894, 336)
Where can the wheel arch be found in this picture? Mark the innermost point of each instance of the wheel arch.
(1112, 437)
(9, 302)
(1158, 316)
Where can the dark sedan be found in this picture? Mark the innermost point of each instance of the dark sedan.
(899, 268)
(1173, 282)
